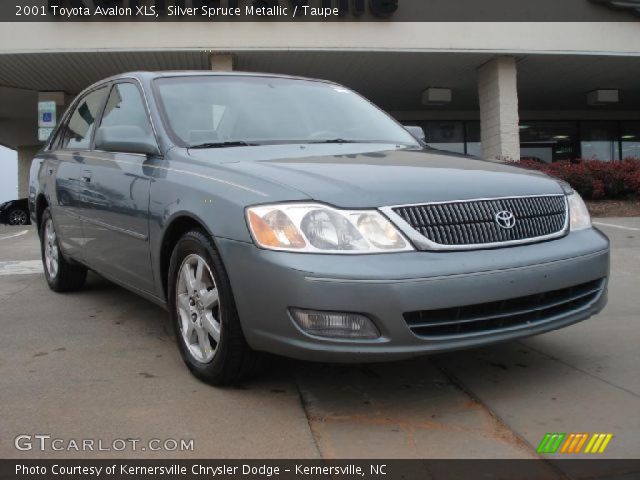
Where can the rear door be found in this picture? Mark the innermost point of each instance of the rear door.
(115, 202)
(64, 165)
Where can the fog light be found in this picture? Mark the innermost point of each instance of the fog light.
(335, 324)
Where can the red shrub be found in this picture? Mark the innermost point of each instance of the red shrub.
(595, 179)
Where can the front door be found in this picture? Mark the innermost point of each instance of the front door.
(69, 150)
(115, 202)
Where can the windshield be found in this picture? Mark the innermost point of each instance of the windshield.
(211, 111)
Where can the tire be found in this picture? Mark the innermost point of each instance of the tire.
(206, 322)
(18, 217)
(61, 275)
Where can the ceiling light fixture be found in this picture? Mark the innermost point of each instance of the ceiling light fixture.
(436, 96)
(601, 97)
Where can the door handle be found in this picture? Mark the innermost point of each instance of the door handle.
(86, 176)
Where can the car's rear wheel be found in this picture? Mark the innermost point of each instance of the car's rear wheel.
(61, 275)
(204, 314)
(18, 217)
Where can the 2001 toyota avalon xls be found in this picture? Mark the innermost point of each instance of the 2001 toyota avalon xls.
(287, 215)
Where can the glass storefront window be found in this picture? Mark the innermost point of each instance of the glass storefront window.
(548, 141)
(630, 138)
(445, 135)
(599, 141)
(544, 141)
(473, 139)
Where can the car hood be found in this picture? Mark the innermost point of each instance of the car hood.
(376, 178)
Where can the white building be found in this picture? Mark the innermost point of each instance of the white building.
(550, 90)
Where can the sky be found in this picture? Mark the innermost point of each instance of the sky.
(8, 174)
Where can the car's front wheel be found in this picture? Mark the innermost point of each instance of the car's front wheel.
(61, 275)
(18, 217)
(204, 313)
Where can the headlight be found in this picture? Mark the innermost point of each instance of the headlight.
(317, 228)
(578, 213)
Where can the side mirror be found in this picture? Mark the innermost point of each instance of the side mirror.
(126, 139)
(416, 132)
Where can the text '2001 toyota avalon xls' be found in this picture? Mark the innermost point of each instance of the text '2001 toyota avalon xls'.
(291, 216)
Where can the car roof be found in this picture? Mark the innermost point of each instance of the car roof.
(143, 76)
(150, 75)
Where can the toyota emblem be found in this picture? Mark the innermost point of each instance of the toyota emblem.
(505, 219)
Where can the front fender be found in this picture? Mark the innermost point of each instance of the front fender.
(213, 196)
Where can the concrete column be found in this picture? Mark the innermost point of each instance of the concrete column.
(25, 155)
(498, 94)
(221, 62)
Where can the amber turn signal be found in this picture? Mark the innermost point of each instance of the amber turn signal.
(275, 230)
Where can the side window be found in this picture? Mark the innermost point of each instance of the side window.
(125, 107)
(76, 134)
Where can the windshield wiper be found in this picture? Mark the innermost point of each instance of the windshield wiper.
(235, 143)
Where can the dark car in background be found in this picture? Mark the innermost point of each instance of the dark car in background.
(291, 216)
(15, 212)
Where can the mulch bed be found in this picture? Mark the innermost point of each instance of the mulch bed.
(614, 208)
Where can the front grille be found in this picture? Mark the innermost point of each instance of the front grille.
(473, 223)
(504, 314)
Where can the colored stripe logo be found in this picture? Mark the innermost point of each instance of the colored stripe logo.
(574, 443)
(551, 442)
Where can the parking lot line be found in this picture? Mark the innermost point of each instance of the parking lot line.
(633, 229)
(25, 267)
(14, 235)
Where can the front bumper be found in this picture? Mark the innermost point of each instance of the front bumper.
(267, 283)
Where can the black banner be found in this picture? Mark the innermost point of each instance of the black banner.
(319, 469)
(319, 10)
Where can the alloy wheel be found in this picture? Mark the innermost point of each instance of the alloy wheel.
(198, 305)
(18, 217)
(51, 252)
